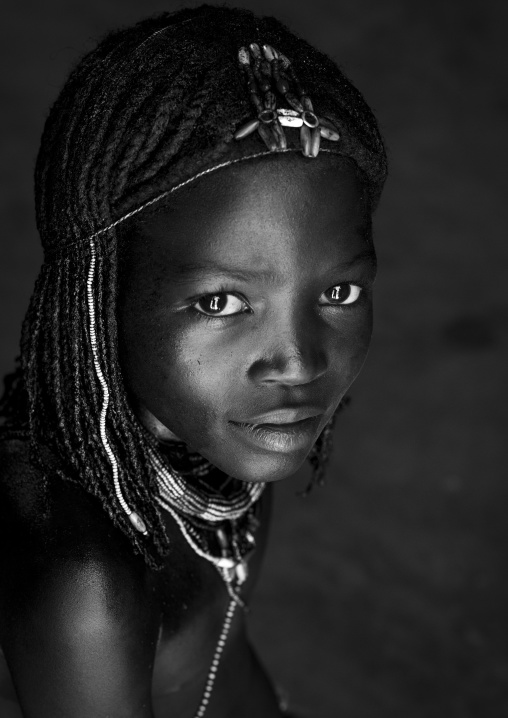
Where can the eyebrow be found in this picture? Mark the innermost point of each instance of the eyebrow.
(198, 270)
(366, 256)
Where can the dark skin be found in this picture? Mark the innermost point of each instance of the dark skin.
(296, 230)
(86, 627)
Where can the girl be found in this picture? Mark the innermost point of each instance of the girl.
(204, 190)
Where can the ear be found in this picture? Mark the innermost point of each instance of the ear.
(154, 426)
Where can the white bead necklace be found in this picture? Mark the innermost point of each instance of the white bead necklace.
(189, 500)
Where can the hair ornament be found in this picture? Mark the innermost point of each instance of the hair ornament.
(270, 73)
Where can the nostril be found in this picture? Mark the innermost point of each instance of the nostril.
(291, 369)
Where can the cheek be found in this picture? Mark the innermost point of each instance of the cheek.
(190, 392)
(180, 379)
(352, 347)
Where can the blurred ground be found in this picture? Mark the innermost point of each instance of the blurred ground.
(385, 593)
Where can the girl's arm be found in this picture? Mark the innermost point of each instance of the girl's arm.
(77, 623)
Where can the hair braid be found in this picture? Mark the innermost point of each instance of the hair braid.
(134, 149)
(193, 109)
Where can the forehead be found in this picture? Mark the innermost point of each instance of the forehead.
(257, 212)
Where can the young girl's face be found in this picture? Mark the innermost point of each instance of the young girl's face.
(245, 310)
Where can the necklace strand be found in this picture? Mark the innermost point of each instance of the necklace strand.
(212, 673)
(223, 564)
(189, 503)
(232, 569)
(211, 505)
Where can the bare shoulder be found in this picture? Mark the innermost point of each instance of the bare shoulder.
(58, 533)
(75, 603)
(58, 513)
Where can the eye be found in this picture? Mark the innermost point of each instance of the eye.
(341, 294)
(221, 304)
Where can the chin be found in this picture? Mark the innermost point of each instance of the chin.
(268, 470)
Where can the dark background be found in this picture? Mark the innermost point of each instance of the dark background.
(385, 593)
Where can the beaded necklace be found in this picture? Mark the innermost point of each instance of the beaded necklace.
(217, 521)
(219, 524)
(209, 505)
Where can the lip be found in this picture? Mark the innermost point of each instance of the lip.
(278, 436)
(289, 415)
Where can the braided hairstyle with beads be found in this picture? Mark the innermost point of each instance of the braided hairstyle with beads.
(150, 107)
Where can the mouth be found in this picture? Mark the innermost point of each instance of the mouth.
(281, 437)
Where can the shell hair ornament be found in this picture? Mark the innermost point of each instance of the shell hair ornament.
(270, 77)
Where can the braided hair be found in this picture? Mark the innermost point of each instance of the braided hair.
(151, 106)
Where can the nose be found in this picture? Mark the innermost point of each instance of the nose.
(292, 354)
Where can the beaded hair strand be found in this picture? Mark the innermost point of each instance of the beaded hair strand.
(152, 106)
